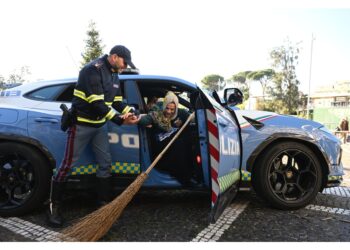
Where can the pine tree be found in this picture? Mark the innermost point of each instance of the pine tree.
(93, 47)
(212, 82)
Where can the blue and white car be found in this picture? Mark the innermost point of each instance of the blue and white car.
(286, 159)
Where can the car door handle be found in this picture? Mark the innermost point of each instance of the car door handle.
(44, 119)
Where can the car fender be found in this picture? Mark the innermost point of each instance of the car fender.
(7, 137)
(278, 137)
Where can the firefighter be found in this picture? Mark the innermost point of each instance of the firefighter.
(97, 95)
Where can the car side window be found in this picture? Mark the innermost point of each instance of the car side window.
(59, 93)
(45, 94)
(67, 94)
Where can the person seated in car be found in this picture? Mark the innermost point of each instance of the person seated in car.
(164, 124)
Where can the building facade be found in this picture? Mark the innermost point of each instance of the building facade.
(329, 104)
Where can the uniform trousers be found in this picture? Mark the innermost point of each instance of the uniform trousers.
(77, 140)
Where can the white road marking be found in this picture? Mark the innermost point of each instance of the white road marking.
(333, 210)
(338, 191)
(29, 230)
(214, 231)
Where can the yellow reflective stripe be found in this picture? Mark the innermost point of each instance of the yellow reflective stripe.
(109, 103)
(81, 119)
(90, 98)
(110, 114)
(93, 98)
(126, 110)
(118, 98)
(79, 94)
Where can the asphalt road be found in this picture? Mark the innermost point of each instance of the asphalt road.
(182, 216)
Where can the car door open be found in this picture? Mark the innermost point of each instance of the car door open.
(223, 145)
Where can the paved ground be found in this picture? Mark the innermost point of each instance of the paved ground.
(183, 217)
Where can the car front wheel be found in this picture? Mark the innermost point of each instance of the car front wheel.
(24, 179)
(288, 176)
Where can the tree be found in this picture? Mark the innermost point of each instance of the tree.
(263, 76)
(241, 78)
(212, 82)
(275, 106)
(302, 109)
(285, 89)
(93, 47)
(2, 82)
(19, 76)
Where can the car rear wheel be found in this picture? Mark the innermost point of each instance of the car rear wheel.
(289, 175)
(24, 179)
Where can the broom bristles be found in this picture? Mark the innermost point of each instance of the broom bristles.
(96, 224)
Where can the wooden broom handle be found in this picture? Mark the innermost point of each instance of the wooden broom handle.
(169, 144)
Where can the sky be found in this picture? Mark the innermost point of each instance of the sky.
(188, 39)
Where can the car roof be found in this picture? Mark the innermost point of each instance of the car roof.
(157, 77)
(33, 85)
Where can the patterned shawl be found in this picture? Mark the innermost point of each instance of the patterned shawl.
(158, 117)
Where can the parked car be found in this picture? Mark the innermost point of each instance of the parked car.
(287, 160)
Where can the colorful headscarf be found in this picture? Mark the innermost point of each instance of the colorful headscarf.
(159, 118)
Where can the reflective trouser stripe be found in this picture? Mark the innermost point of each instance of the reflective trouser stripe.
(68, 156)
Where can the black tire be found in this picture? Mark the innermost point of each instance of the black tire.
(24, 179)
(288, 175)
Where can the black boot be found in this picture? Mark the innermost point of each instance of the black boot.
(104, 191)
(54, 213)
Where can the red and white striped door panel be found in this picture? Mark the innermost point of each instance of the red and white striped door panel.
(224, 153)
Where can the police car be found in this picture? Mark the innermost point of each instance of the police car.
(286, 159)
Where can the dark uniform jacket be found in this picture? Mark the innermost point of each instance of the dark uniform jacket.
(96, 94)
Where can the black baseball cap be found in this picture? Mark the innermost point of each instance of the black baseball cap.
(124, 53)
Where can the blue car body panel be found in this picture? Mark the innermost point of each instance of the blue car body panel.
(277, 127)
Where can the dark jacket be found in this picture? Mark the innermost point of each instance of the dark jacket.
(97, 91)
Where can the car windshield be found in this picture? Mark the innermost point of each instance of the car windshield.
(212, 100)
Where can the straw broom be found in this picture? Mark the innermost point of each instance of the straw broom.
(96, 224)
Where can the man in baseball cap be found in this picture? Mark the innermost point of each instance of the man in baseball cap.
(124, 53)
(98, 84)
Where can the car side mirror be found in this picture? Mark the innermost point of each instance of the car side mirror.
(233, 96)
